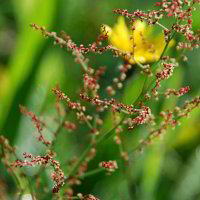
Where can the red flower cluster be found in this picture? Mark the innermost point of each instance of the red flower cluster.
(47, 160)
(110, 166)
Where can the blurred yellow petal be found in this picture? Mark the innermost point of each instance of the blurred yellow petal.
(121, 29)
(106, 30)
(159, 44)
(119, 36)
(138, 42)
(141, 32)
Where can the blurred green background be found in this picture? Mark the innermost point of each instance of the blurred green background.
(31, 65)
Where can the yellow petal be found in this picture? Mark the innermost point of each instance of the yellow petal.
(106, 30)
(120, 36)
(160, 43)
(141, 32)
(145, 49)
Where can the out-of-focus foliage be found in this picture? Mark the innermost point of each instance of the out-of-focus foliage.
(30, 66)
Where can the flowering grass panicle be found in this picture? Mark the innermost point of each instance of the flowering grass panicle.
(94, 118)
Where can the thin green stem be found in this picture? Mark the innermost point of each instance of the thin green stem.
(72, 198)
(31, 188)
(110, 132)
(159, 24)
(93, 172)
(154, 68)
(87, 122)
(149, 87)
(58, 130)
(84, 65)
(81, 159)
(140, 65)
(85, 153)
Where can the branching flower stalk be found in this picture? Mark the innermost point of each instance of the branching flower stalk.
(136, 46)
(91, 83)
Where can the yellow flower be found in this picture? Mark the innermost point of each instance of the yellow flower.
(144, 47)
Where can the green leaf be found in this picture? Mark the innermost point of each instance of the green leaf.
(152, 169)
(28, 46)
(134, 89)
(189, 182)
